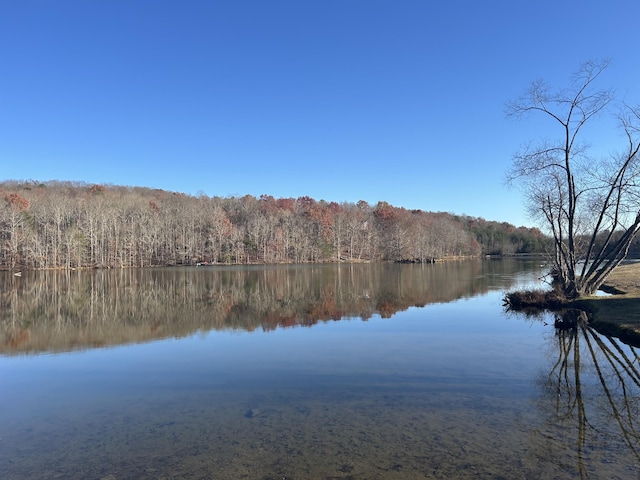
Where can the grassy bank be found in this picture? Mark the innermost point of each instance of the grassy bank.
(618, 314)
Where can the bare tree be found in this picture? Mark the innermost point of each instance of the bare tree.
(589, 204)
(68, 225)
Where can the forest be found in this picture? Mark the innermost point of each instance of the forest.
(58, 224)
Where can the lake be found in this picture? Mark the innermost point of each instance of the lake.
(363, 371)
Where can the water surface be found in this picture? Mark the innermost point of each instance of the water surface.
(330, 372)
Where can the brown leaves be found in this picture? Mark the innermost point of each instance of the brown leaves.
(17, 201)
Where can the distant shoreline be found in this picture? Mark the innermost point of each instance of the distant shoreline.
(454, 258)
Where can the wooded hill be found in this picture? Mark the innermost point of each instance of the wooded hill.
(70, 225)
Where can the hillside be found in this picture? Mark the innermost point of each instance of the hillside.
(60, 224)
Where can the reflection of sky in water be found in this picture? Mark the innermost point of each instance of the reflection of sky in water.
(452, 384)
(464, 343)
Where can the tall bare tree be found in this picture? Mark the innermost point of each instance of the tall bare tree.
(590, 204)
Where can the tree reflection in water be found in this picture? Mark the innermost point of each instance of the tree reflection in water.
(59, 311)
(595, 387)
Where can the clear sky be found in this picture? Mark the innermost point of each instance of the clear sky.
(341, 100)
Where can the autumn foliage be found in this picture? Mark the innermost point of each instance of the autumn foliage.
(72, 225)
(16, 201)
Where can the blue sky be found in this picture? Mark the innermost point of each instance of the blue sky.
(341, 100)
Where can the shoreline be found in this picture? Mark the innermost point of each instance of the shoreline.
(617, 314)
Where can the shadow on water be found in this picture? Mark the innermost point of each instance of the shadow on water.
(58, 311)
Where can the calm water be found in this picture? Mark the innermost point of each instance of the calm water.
(330, 372)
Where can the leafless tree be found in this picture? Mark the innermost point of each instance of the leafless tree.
(589, 204)
(69, 225)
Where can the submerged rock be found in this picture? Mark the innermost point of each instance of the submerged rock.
(252, 413)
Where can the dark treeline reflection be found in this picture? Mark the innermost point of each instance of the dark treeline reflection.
(45, 311)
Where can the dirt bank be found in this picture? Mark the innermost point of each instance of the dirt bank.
(618, 314)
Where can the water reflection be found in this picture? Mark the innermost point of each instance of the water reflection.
(591, 398)
(452, 390)
(54, 311)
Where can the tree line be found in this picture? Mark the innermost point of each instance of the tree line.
(59, 224)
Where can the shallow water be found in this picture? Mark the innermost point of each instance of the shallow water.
(455, 389)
